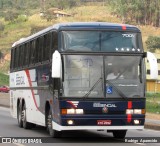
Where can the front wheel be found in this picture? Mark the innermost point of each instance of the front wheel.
(120, 134)
(52, 132)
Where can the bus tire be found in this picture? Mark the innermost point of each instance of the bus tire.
(19, 117)
(52, 132)
(119, 134)
(26, 125)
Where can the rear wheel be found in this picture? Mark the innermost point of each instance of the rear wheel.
(26, 125)
(120, 134)
(19, 117)
(52, 132)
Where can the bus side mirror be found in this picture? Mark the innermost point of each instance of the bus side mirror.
(153, 65)
(56, 65)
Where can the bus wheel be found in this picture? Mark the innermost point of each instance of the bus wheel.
(26, 125)
(52, 132)
(120, 134)
(20, 122)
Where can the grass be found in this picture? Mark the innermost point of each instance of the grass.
(153, 107)
(4, 79)
(153, 103)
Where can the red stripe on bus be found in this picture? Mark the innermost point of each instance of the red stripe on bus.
(129, 104)
(70, 102)
(123, 27)
(129, 116)
(30, 84)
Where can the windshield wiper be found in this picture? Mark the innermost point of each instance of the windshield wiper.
(117, 90)
(95, 84)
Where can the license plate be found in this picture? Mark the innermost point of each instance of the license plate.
(104, 122)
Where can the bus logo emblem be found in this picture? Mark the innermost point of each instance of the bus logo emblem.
(105, 109)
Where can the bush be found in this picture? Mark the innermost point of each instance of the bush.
(153, 43)
(22, 18)
(1, 26)
(11, 16)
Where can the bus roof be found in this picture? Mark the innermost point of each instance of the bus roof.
(96, 25)
(81, 26)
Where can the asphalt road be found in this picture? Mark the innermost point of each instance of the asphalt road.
(9, 128)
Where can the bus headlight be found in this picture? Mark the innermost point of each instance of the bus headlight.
(129, 111)
(79, 111)
(136, 122)
(70, 122)
(71, 111)
(135, 111)
(139, 111)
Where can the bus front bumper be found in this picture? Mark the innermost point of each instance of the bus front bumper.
(61, 128)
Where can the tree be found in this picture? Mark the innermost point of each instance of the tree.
(146, 12)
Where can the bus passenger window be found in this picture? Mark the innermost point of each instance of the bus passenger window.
(40, 49)
(12, 59)
(27, 54)
(33, 52)
(17, 57)
(47, 44)
(21, 56)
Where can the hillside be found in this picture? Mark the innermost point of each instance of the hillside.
(23, 28)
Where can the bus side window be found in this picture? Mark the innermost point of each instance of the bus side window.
(40, 49)
(37, 50)
(17, 58)
(12, 59)
(33, 52)
(27, 55)
(21, 57)
(45, 48)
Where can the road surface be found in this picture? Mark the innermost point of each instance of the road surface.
(9, 128)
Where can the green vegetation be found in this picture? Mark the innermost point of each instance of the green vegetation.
(4, 79)
(141, 12)
(153, 43)
(153, 107)
(21, 18)
(153, 102)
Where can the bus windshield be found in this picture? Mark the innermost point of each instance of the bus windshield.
(103, 76)
(105, 41)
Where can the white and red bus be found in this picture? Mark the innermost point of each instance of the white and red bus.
(60, 78)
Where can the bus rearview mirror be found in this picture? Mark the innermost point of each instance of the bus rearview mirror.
(56, 65)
